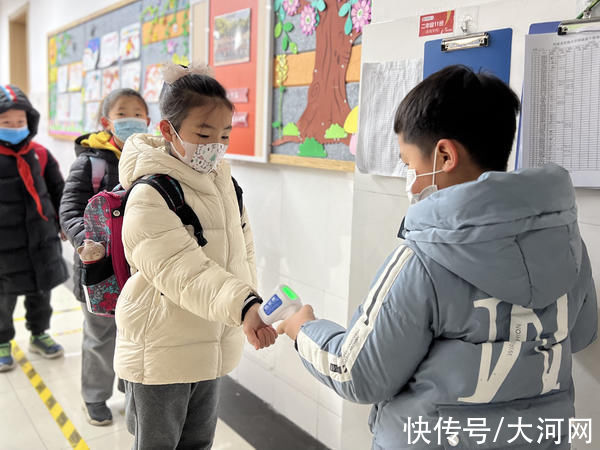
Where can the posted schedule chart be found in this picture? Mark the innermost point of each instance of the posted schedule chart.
(561, 105)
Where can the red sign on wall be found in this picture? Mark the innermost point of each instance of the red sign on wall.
(438, 23)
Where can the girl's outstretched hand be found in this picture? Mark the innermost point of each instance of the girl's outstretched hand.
(258, 333)
(291, 326)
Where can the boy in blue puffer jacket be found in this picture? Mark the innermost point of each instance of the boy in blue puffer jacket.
(466, 337)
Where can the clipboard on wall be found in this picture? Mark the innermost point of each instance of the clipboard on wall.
(534, 28)
(486, 52)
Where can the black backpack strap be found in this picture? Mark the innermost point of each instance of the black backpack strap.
(172, 193)
(239, 195)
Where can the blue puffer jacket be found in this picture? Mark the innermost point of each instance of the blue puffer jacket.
(469, 327)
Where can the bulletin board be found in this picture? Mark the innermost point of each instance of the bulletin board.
(120, 46)
(239, 52)
(315, 84)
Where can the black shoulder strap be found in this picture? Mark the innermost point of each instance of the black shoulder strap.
(170, 190)
(238, 194)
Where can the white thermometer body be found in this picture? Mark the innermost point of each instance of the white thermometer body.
(280, 306)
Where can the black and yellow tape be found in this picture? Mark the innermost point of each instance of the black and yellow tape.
(56, 411)
(59, 311)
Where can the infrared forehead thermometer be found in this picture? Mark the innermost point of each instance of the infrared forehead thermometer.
(280, 306)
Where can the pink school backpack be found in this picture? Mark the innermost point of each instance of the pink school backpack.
(103, 221)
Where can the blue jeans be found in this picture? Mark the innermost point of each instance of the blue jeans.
(172, 416)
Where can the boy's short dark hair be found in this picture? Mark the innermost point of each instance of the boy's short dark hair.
(476, 109)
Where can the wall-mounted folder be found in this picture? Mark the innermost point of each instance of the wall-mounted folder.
(487, 52)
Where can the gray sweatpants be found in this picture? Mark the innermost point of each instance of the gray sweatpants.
(172, 416)
(97, 354)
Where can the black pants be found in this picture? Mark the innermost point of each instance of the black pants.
(37, 316)
(172, 416)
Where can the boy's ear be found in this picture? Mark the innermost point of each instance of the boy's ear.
(105, 122)
(166, 130)
(449, 154)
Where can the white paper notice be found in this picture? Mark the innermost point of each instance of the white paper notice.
(561, 105)
(383, 86)
(76, 107)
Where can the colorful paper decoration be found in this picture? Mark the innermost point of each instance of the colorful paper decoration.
(130, 42)
(91, 115)
(90, 54)
(75, 76)
(110, 80)
(75, 107)
(62, 78)
(63, 102)
(240, 119)
(109, 49)
(93, 86)
(131, 74)
(335, 25)
(152, 83)
(239, 95)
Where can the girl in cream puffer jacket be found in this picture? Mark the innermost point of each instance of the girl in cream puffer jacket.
(179, 315)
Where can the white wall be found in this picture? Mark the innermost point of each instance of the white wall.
(380, 202)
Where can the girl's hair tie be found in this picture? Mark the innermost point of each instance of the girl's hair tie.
(172, 72)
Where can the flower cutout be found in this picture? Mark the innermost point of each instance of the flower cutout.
(361, 14)
(291, 6)
(308, 20)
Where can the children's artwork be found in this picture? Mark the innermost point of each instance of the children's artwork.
(75, 107)
(231, 38)
(316, 48)
(130, 75)
(90, 54)
(91, 115)
(62, 107)
(75, 76)
(152, 83)
(109, 49)
(93, 86)
(130, 42)
(62, 78)
(110, 80)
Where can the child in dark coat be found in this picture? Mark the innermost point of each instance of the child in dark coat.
(31, 262)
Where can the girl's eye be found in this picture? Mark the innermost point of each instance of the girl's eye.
(225, 137)
(204, 136)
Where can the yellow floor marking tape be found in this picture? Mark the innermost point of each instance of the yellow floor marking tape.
(56, 411)
(64, 333)
(60, 311)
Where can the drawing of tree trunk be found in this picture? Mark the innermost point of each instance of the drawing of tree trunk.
(338, 25)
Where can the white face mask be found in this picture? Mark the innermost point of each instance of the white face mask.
(411, 177)
(201, 157)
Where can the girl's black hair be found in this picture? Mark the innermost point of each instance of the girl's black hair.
(187, 92)
(110, 100)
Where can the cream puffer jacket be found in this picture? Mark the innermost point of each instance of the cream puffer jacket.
(178, 316)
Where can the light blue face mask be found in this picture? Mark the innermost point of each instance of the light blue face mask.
(129, 125)
(13, 135)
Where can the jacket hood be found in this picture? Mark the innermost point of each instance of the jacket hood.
(11, 97)
(512, 235)
(94, 143)
(145, 154)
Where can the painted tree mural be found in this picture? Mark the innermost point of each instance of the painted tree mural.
(336, 25)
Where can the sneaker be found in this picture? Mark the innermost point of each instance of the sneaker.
(6, 360)
(44, 345)
(97, 413)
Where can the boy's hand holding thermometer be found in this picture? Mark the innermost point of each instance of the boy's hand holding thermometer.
(280, 306)
(286, 305)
